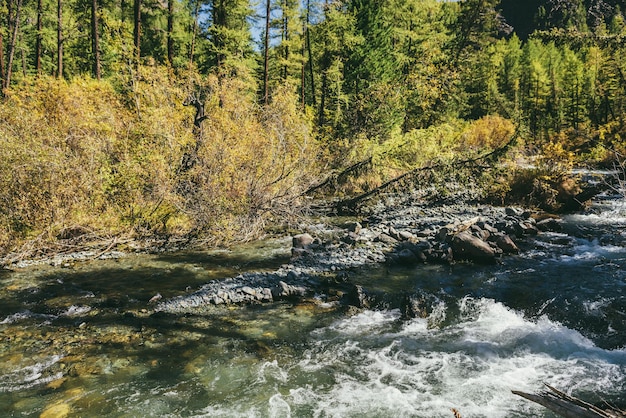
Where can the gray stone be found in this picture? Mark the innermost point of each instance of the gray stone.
(505, 243)
(465, 246)
(353, 227)
(302, 240)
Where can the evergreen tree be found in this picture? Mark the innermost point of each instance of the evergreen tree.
(333, 40)
(230, 50)
(573, 86)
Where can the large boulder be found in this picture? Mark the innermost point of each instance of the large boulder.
(466, 246)
(302, 240)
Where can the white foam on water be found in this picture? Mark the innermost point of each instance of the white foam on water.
(366, 322)
(611, 212)
(27, 376)
(74, 311)
(589, 250)
(472, 365)
(25, 315)
(272, 372)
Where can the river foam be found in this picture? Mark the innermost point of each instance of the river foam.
(374, 364)
(471, 365)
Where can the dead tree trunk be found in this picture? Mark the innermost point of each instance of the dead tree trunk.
(569, 406)
(350, 206)
(190, 157)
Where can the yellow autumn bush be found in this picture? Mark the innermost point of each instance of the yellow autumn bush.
(107, 156)
(487, 133)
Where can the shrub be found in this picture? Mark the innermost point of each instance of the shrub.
(81, 153)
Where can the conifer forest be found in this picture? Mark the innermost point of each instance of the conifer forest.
(217, 118)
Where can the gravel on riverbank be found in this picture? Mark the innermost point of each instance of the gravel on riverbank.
(398, 232)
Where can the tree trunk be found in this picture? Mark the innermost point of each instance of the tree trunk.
(303, 69)
(266, 53)
(59, 38)
(170, 32)
(194, 34)
(38, 45)
(137, 29)
(2, 73)
(95, 39)
(308, 43)
(285, 38)
(13, 43)
(219, 21)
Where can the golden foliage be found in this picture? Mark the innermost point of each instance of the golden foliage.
(83, 153)
(255, 161)
(487, 133)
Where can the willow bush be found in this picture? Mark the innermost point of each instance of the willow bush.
(255, 161)
(88, 155)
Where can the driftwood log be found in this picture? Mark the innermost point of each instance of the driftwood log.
(568, 406)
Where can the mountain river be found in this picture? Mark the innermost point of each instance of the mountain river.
(80, 340)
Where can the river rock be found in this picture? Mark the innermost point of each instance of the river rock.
(505, 243)
(58, 410)
(413, 307)
(386, 239)
(302, 241)
(357, 297)
(284, 291)
(466, 246)
(549, 224)
(407, 257)
(353, 227)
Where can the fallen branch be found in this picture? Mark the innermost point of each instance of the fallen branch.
(349, 205)
(106, 250)
(568, 406)
(336, 178)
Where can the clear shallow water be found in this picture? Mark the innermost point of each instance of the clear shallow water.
(81, 342)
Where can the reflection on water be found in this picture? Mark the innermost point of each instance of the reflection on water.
(81, 341)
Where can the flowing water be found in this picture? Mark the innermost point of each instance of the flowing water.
(80, 341)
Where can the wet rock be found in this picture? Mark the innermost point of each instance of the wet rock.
(525, 228)
(505, 243)
(357, 297)
(413, 306)
(407, 257)
(302, 241)
(480, 232)
(284, 291)
(549, 224)
(465, 246)
(58, 410)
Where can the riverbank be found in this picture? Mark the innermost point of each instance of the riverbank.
(402, 231)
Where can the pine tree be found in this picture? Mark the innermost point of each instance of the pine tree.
(230, 49)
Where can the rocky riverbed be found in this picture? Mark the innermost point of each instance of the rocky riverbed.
(401, 232)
